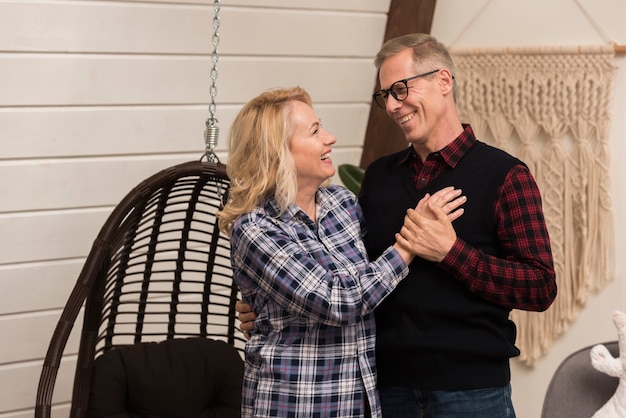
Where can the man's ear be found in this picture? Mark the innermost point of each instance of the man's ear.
(446, 81)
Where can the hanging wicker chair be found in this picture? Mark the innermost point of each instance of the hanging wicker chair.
(156, 284)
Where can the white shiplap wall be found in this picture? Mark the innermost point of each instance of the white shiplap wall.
(97, 95)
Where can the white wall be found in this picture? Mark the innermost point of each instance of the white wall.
(492, 23)
(96, 95)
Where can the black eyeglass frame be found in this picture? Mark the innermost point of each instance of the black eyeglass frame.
(384, 94)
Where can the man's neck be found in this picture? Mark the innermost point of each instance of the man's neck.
(438, 140)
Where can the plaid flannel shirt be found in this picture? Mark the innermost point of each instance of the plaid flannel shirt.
(312, 352)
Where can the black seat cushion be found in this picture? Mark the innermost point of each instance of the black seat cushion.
(195, 377)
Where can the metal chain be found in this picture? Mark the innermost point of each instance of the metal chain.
(211, 132)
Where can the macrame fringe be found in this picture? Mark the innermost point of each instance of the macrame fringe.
(550, 108)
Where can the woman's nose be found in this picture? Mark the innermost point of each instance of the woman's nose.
(330, 138)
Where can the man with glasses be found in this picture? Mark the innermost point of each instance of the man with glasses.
(444, 338)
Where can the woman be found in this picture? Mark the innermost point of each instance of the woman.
(299, 260)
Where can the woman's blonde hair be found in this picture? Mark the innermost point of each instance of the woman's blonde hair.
(259, 162)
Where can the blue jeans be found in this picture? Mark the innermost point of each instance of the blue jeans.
(407, 402)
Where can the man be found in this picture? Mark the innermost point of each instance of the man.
(444, 338)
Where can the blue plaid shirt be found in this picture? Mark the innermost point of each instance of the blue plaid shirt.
(313, 290)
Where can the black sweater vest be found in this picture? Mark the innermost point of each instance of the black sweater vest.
(432, 333)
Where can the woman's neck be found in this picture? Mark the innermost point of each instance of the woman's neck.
(306, 202)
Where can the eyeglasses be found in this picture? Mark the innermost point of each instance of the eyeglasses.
(399, 90)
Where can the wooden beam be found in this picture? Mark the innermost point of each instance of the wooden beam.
(382, 135)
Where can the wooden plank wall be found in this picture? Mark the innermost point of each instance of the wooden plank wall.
(97, 95)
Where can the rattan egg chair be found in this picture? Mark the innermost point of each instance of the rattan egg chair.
(157, 290)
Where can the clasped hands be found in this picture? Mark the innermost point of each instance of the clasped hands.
(427, 231)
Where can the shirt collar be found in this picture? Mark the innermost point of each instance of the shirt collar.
(452, 153)
(322, 199)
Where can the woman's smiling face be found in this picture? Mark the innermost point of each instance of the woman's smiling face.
(310, 146)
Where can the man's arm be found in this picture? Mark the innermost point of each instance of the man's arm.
(524, 278)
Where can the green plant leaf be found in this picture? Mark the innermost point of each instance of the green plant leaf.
(351, 176)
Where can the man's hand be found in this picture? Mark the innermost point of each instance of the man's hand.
(427, 230)
(448, 199)
(246, 317)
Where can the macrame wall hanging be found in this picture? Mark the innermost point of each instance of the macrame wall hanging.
(550, 108)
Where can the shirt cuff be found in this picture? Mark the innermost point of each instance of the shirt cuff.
(395, 261)
(460, 259)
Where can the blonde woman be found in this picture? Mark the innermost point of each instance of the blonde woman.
(300, 262)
